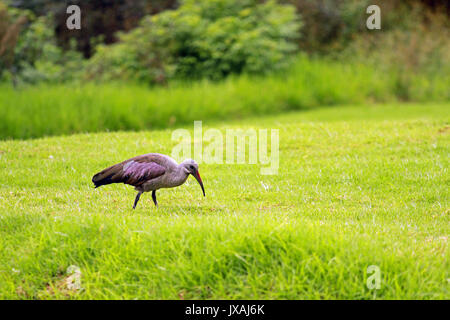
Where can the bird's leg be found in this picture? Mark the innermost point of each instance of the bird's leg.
(137, 199)
(154, 198)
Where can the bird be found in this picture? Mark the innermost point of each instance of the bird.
(149, 172)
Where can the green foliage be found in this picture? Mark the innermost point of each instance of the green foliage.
(418, 53)
(331, 25)
(213, 39)
(29, 52)
(40, 59)
(328, 24)
(356, 187)
(202, 39)
(101, 19)
(11, 24)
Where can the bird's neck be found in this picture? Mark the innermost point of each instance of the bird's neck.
(180, 175)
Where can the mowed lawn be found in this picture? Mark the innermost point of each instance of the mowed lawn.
(357, 186)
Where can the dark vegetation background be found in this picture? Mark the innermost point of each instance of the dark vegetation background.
(255, 56)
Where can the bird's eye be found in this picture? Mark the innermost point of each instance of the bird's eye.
(192, 167)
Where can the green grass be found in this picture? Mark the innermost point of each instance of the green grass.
(357, 186)
(38, 111)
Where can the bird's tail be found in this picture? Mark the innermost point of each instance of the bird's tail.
(108, 175)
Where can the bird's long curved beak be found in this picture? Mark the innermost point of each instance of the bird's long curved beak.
(197, 177)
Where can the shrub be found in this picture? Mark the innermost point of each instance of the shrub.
(29, 52)
(207, 39)
(11, 24)
(40, 59)
(418, 54)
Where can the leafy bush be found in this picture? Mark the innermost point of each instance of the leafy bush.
(102, 20)
(209, 39)
(418, 53)
(40, 59)
(11, 24)
(328, 23)
(29, 52)
(331, 25)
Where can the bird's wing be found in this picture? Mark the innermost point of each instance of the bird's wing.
(134, 171)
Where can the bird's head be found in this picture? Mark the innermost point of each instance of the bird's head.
(191, 167)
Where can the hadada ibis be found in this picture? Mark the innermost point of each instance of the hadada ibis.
(149, 172)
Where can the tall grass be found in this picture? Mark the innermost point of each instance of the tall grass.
(64, 109)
